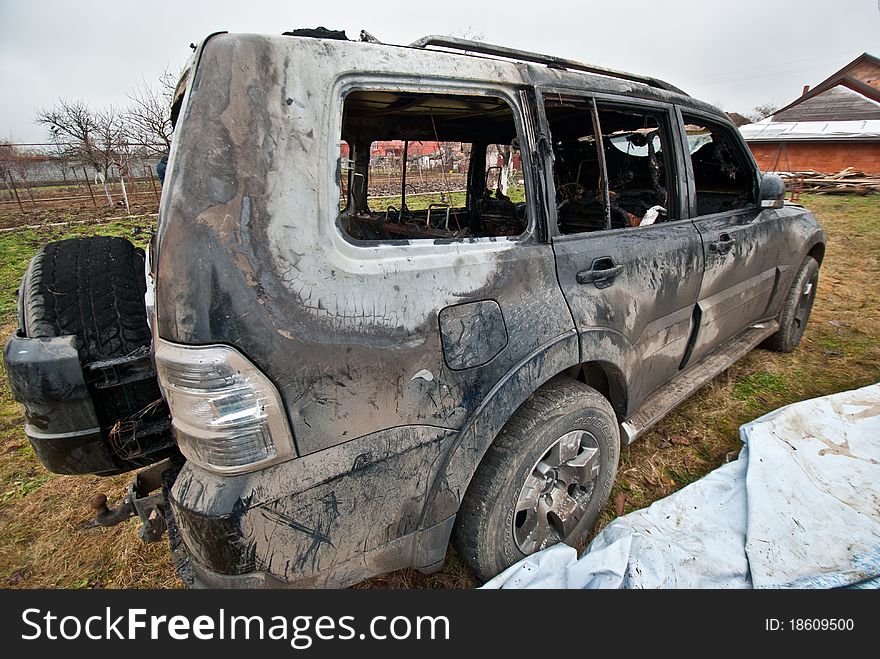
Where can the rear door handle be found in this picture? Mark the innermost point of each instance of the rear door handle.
(723, 245)
(600, 276)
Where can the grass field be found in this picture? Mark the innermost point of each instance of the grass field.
(46, 539)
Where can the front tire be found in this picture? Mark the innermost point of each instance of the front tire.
(797, 308)
(544, 480)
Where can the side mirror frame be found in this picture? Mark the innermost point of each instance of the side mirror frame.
(772, 191)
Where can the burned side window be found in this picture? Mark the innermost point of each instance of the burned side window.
(427, 166)
(723, 178)
(638, 170)
(610, 165)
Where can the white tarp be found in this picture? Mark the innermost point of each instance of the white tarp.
(800, 507)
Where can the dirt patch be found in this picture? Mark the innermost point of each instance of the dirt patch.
(44, 215)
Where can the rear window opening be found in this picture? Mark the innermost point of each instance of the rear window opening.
(418, 165)
(628, 163)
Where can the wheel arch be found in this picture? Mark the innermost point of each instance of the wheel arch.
(461, 460)
(608, 379)
(817, 251)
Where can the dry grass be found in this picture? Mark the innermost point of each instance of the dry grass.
(46, 541)
(46, 536)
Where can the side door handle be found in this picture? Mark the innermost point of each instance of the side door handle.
(723, 245)
(601, 273)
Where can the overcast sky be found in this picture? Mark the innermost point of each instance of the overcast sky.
(750, 52)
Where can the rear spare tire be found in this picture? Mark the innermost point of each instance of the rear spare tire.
(93, 288)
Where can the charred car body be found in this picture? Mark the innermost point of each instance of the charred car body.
(353, 381)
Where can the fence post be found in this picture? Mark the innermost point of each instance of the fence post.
(30, 192)
(132, 181)
(124, 193)
(89, 186)
(15, 190)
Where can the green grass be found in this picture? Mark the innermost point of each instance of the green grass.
(18, 246)
(420, 201)
(21, 487)
(759, 383)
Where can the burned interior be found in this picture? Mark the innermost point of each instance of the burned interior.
(723, 179)
(618, 180)
(417, 165)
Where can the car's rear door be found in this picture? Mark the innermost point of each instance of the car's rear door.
(631, 290)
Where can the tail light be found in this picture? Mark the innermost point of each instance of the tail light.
(226, 415)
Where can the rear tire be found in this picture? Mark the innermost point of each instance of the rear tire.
(93, 288)
(559, 450)
(796, 309)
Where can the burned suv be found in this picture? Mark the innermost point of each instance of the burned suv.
(399, 295)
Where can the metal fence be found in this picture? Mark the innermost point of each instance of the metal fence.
(44, 180)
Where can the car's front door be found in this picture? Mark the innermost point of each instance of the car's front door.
(740, 243)
(631, 289)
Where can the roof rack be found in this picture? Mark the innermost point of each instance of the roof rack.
(526, 56)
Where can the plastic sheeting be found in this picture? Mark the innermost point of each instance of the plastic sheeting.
(800, 508)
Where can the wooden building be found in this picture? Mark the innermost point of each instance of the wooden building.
(831, 127)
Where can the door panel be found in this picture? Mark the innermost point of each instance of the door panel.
(631, 289)
(739, 240)
(746, 299)
(738, 282)
(649, 304)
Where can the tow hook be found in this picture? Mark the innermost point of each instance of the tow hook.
(138, 501)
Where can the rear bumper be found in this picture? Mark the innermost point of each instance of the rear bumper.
(60, 421)
(395, 555)
(328, 519)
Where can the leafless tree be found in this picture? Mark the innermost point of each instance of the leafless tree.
(16, 162)
(92, 136)
(61, 156)
(7, 155)
(762, 111)
(469, 33)
(22, 160)
(149, 114)
(123, 157)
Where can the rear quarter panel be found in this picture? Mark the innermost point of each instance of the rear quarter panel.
(248, 252)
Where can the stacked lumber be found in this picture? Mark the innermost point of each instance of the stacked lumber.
(847, 181)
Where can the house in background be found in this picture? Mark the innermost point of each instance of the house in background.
(738, 119)
(831, 127)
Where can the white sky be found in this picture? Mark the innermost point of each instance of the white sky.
(734, 54)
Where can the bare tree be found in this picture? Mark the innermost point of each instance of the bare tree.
(22, 161)
(16, 162)
(92, 136)
(149, 114)
(762, 111)
(7, 164)
(60, 154)
(124, 157)
(469, 33)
